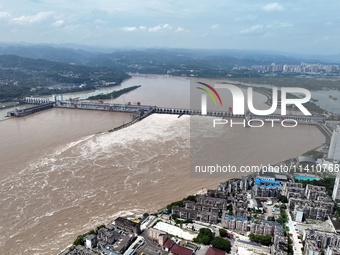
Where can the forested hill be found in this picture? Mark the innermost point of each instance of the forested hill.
(24, 77)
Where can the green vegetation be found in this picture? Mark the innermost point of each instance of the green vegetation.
(283, 199)
(205, 236)
(21, 77)
(283, 217)
(314, 154)
(223, 232)
(270, 218)
(81, 238)
(180, 202)
(230, 209)
(180, 222)
(262, 239)
(328, 183)
(114, 94)
(100, 227)
(222, 244)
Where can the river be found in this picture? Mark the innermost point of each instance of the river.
(62, 174)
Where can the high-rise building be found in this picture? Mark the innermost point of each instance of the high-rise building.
(334, 148)
(336, 189)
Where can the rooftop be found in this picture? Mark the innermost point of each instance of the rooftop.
(168, 243)
(214, 251)
(179, 250)
(306, 159)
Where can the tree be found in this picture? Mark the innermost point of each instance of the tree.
(271, 218)
(223, 232)
(221, 244)
(262, 239)
(230, 209)
(205, 236)
(283, 199)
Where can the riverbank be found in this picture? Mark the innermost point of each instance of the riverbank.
(63, 180)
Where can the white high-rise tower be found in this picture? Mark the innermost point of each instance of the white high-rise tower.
(336, 189)
(334, 148)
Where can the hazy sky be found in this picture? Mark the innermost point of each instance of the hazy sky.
(305, 26)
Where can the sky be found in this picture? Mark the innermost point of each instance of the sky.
(296, 26)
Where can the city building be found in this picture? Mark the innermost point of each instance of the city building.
(238, 224)
(298, 212)
(312, 202)
(322, 240)
(205, 209)
(311, 248)
(312, 209)
(106, 236)
(91, 241)
(180, 250)
(280, 245)
(336, 189)
(127, 225)
(267, 228)
(334, 148)
(266, 187)
(332, 251)
(314, 192)
(240, 205)
(214, 251)
(157, 235)
(253, 247)
(293, 190)
(305, 162)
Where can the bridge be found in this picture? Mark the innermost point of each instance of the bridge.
(140, 110)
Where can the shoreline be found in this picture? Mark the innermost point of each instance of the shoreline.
(201, 190)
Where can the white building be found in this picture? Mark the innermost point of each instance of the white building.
(299, 214)
(334, 148)
(336, 189)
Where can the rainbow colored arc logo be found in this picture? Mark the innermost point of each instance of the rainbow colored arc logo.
(208, 92)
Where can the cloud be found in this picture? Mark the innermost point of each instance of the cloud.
(58, 23)
(273, 7)
(160, 28)
(259, 27)
(154, 29)
(129, 29)
(215, 26)
(27, 20)
(179, 29)
(252, 29)
(5, 15)
(279, 25)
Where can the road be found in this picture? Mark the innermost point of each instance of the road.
(292, 229)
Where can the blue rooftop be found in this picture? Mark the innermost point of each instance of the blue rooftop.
(266, 182)
(230, 217)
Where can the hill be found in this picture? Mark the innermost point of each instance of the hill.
(25, 77)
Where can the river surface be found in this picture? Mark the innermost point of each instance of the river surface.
(327, 103)
(61, 174)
